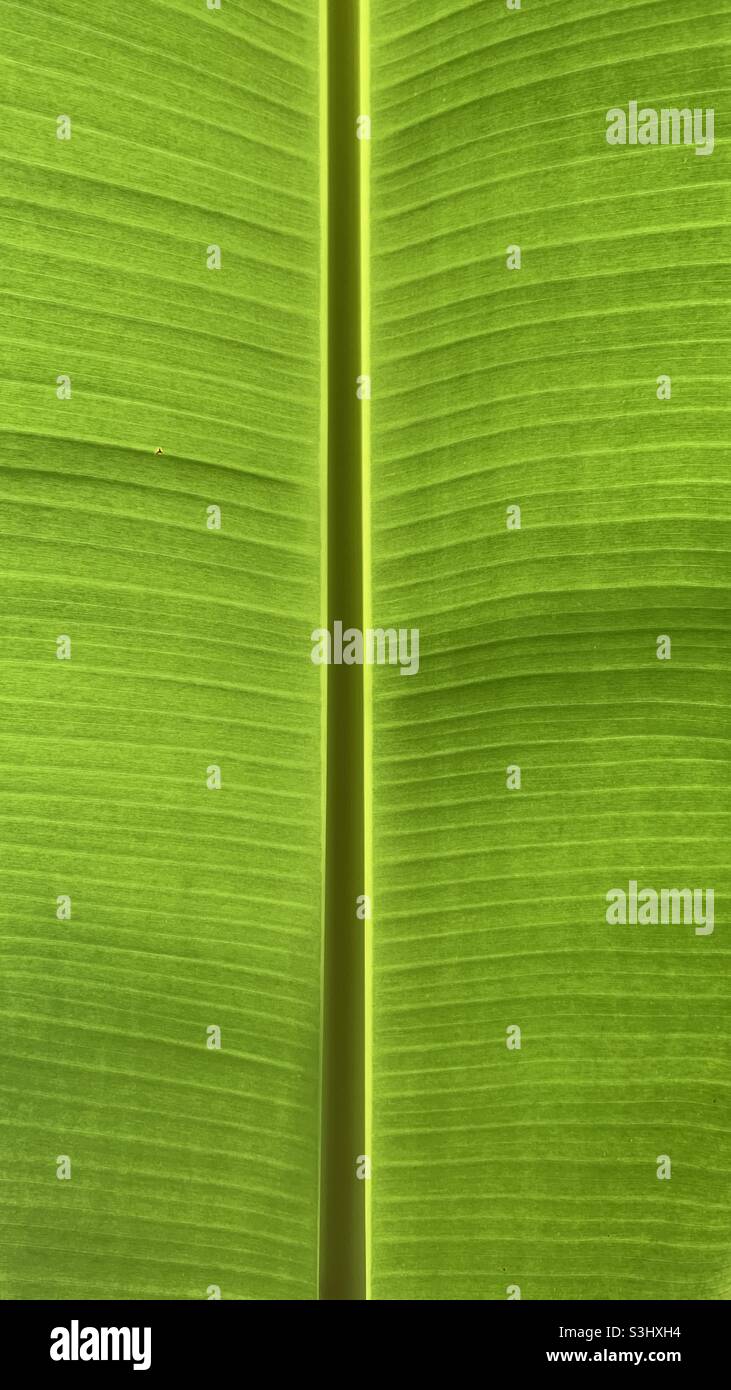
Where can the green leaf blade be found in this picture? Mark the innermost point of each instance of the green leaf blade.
(192, 1168)
(495, 1168)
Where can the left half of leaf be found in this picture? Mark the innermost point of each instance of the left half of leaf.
(161, 736)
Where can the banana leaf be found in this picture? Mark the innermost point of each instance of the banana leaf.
(400, 980)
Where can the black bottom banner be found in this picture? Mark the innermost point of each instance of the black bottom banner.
(192, 1338)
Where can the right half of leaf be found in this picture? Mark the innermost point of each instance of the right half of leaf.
(546, 752)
